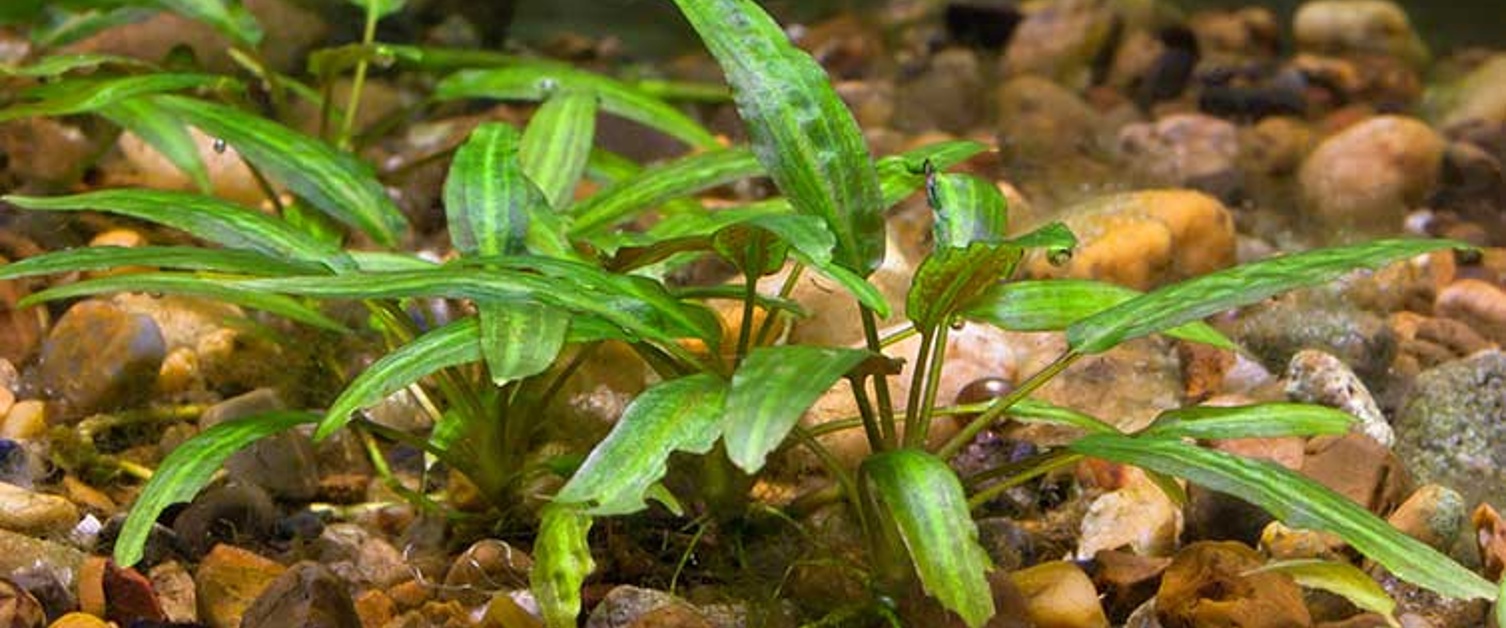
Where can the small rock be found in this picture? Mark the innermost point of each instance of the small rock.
(306, 594)
(1037, 117)
(230, 512)
(1145, 239)
(871, 101)
(1357, 467)
(100, 357)
(1452, 429)
(175, 591)
(1060, 40)
(484, 568)
(35, 513)
(626, 605)
(20, 329)
(1490, 540)
(1276, 330)
(17, 464)
(1138, 517)
(1009, 545)
(1478, 304)
(1126, 580)
(1275, 146)
(1059, 595)
(1251, 32)
(375, 608)
(948, 95)
(359, 557)
(1284, 543)
(1183, 150)
(505, 612)
(229, 176)
(1433, 514)
(1319, 378)
(79, 620)
(18, 609)
(284, 463)
(129, 597)
(229, 579)
(1205, 586)
(27, 420)
(1479, 98)
(1214, 516)
(1363, 180)
(1377, 27)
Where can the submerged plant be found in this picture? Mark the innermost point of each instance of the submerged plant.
(547, 271)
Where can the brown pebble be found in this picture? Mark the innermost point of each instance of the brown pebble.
(26, 420)
(91, 585)
(129, 597)
(18, 609)
(409, 595)
(375, 608)
(1490, 537)
(79, 620)
(1477, 304)
(1206, 585)
(229, 579)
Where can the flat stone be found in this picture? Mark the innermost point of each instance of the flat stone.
(30, 512)
(359, 557)
(228, 580)
(306, 594)
(1059, 594)
(1357, 467)
(99, 357)
(1452, 428)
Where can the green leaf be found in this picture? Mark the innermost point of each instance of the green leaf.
(682, 414)
(866, 293)
(751, 250)
(451, 345)
(188, 468)
(1296, 500)
(1037, 411)
(340, 185)
(951, 279)
(1194, 299)
(382, 261)
(520, 339)
(381, 8)
(924, 500)
(901, 175)
(68, 27)
(800, 130)
(654, 186)
(488, 200)
(174, 257)
(57, 65)
(229, 18)
(163, 133)
(537, 81)
(968, 209)
(1339, 578)
(211, 219)
(189, 284)
(557, 144)
(84, 95)
(561, 562)
(771, 389)
(1055, 237)
(1055, 304)
(1254, 421)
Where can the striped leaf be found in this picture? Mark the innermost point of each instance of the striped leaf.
(536, 82)
(188, 468)
(951, 279)
(1191, 300)
(968, 209)
(1055, 304)
(921, 495)
(85, 95)
(488, 200)
(680, 177)
(208, 218)
(682, 414)
(520, 339)
(1296, 500)
(561, 562)
(163, 133)
(60, 64)
(557, 144)
(191, 285)
(1265, 420)
(170, 257)
(802, 133)
(338, 184)
(771, 389)
(451, 345)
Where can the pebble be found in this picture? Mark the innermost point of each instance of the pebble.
(1205, 586)
(307, 594)
(1126, 581)
(1183, 150)
(1479, 98)
(1452, 428)
(175, 591)
(100, 357)
(18, 609)
(1433, 514)
(1059, 594)
(484, 568)
(1361, 182)
(1145, 239)
(627, 605)
(1357, 467)
(1138, 516)
(1038, 118)
(1480, 305)
(1377, 27)
(359, 557)
(375, 608)
(79, 620)
(229, 176)
(1276, 330)
(948, 95)
(1319, 378)
(284, 464)
(231, 512)
(1284, 543)
(1060, 40)
(228, 580)
(1275, 146)
(17, 464)
(20, 329)
(30, 512)
(129, 597)
(1490, 540)
(27, 420)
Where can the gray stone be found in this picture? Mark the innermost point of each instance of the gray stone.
(1317, 377)
(285, 464)
(1452, 429)
(625, 604)
(307, 594)
(1276, 331)
(359, 557)
(99, 357)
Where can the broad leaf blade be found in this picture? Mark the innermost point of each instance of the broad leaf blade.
(211, 219)
(925, 501)
(1296, 500)
(57, 65)
(1339, 578)
(163, 133)
(1254, 421)
(229, 18)
(968, 209)
(656, 185)
(678, 415)
(188, 468)
(520, 339)
(1194, 299)
(487, 198)
(950, 279)
(192, 285)
(82, 95)
(802, 133)
(537, 81)
(557, 144)
(341, 186)
(1055, 304)
(451, 345)
(174, 257)
(771, 389)
(1037, 411)
(561, 562)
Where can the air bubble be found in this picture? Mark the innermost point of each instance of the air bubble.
(219, 145)
(1059, 257)
(548, 85)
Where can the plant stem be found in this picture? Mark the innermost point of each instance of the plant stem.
(880, 382)
(871, 427)
(833, 466)
(354, 104)
(1002, 404)
(921, 428)
(898, 336)
(917, 383)
(1058, 459)
(745, 330)
(784, 293)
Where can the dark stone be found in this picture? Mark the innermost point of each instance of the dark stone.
(15, 463)
(99, 357)
(161, 542)
(1214, 516)
(129, 596)
(1172, 70)
(986, 25)
(231, 513)
(308, 595)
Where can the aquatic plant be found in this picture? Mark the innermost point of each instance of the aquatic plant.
(546, 271)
